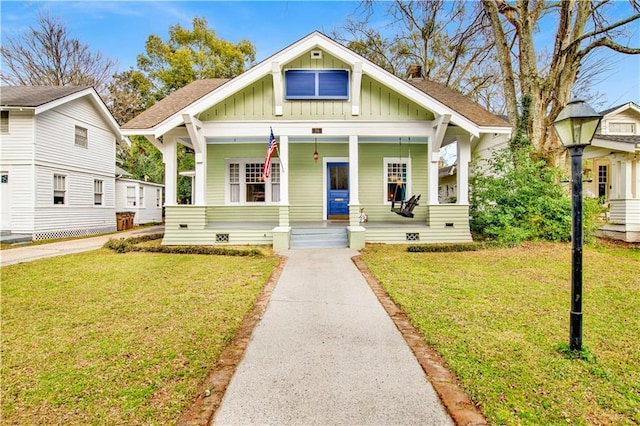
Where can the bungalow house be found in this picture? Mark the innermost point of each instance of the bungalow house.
(350, 138)
(57, 162)
(612, 163)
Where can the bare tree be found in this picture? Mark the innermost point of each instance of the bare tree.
(46, 55)
(450, 42)
(582, 28)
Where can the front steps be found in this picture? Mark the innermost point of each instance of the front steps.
(329, 237)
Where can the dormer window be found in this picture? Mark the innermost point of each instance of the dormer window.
(622, 128)
(316, 84)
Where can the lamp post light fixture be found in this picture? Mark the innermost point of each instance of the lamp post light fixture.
(575, 126)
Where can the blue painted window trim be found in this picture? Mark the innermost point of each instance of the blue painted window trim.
(316, 84)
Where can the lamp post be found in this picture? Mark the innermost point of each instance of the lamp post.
(575, 126)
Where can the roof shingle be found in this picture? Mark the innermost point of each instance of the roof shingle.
(173, 103)
(34, 96)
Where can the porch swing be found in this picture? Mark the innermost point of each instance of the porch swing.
(404, 207)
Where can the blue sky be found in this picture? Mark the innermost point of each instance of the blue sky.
(119, 29)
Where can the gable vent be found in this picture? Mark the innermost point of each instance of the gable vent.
(316, 54)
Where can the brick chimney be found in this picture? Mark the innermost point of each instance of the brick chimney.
(415, 71)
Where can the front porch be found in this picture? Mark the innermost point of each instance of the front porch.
(187, 225)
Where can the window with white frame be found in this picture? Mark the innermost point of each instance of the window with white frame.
(397, 178)
(59, 189)
(97, 192)
(158, 197)
(4, 122)
(141, 196)
(81, 137)
(246, 184)
(131, 196)
(622, 128)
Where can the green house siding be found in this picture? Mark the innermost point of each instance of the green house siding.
(372, 178)
(255, 102)
(306, 179)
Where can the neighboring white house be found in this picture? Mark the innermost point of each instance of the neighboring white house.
(613, 164)
(143, 198)
(57, 162)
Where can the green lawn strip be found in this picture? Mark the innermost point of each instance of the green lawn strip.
(498, 317)
(108, 338)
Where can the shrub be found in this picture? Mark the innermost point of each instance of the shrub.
(524, 200)
(122, 245)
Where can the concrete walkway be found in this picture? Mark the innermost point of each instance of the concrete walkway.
(326, 352)
(33, 252)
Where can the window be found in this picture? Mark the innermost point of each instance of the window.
(317, 84)
(397, 179)
(625, 128)
(59, 189)
(158, 197)
(131, 196)
(97, 192)
(255, 187)
(141, 196)
(4, 122)
(81, 137)
(602, 180)
(246, 184)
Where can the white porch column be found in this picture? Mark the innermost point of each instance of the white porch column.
(635, 178)
(170, 158)
(464, 157)
(201, 178)
(284, 170)
(432, 172)
(354, 171)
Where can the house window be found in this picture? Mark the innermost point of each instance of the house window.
(4, 122)
(59, 189)
(397, 179)
(141, 196)
(254, 185)
(622, 128)
(246, 184)
(81, 137)
(97, 192)
(316, 84)
(158, 197)
(602, 180)
(131, 196)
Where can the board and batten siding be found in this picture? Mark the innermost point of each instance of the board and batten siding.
(255, 102)
(55, 139)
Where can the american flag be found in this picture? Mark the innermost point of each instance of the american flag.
(273, 145)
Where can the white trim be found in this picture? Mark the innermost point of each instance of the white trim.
(242, 196)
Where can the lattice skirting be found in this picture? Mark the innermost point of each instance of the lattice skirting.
(69, 233)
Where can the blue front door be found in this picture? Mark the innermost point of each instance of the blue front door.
(338, 190)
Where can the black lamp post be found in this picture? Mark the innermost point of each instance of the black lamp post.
(575, 126)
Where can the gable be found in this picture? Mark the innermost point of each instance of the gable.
(259, 94)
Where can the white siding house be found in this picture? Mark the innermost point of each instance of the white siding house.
(145, 199)
(57, 162)
(612, 162)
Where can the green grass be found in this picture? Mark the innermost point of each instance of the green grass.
(500, 318)
(105, 338)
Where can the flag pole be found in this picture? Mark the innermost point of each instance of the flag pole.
(278, 151)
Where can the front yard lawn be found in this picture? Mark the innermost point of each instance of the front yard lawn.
(107, 338)
(498, 316)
